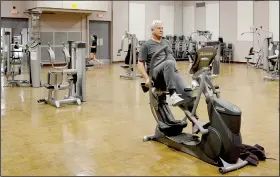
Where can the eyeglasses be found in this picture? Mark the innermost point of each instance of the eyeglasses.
(159, 28)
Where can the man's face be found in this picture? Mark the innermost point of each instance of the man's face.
(158, 30)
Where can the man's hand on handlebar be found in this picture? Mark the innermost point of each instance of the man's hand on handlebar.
(147, 83)
(141, 67)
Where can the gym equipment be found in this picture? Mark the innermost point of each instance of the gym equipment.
(220, 142)
(183, 49)
(12, 64)
(88, 64)
(193, 44)
(71, 48)
(249, 57)
(206, 34)
(260, 53)
(181, 46)
(55, 81)
(274, 61)
(131, 68)
(227, 52)
(217, 60)
(34, 57)
(78, 62)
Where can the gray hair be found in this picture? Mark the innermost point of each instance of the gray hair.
(155, 23)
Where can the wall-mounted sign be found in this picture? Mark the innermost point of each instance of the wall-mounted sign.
(100, 15)
(74, 5)
(14, 11)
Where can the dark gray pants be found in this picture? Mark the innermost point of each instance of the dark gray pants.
(166, 77)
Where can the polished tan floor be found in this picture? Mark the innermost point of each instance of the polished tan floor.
(104, 135)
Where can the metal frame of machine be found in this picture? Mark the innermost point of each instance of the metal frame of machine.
(12, 66)
(261, 58)
(131, 68)
(210, 147)
(274, 74)
(74, 69)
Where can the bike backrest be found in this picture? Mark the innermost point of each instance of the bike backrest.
(203, 58)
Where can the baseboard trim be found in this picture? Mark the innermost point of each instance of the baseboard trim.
(235, 62)
(242, 62)
(117, 62)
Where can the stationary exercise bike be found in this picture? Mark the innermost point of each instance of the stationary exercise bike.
(220, 142)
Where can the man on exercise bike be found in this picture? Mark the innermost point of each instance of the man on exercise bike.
(165, 73)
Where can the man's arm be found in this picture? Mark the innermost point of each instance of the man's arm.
(141, 67)
(143, 55)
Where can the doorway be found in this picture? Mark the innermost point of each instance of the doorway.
(18, 27)
(102, 30)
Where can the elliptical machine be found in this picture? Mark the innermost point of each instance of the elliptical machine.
(220, 142)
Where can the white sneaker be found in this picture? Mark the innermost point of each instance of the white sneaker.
(194, 84)
(175, 100)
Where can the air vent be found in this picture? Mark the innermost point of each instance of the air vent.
(201, 4)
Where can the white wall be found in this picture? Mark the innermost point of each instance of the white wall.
(258, 13)
(121, 20)
(188, 20)
(213, 19)
(137, 14)
(151, 14)
(7, 6)
(201, 18)
(245, 20)
(274, 19)
(167, 17)
(120, 25)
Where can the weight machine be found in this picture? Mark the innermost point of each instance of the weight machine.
(181, 47)
(13, 65)
(131, 68)
(193, 45)
(206, 34)
(74, 69)
(260, 53)
(273, 60)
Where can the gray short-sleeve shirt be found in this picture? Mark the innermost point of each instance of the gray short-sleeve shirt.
(149, 48)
